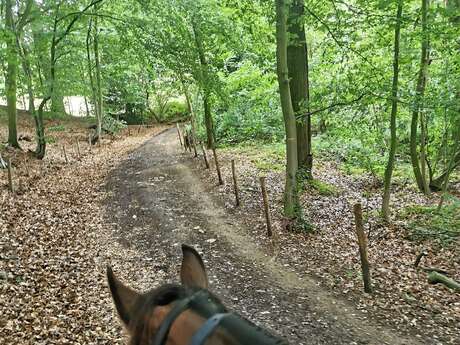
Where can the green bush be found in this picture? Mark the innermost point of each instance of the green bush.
(251, 110)
(176, 110)
(57, 128)
(427, 222)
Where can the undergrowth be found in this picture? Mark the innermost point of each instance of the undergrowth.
(429, 223)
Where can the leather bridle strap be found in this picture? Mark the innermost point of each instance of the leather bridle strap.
(208, 327)
(179, 307)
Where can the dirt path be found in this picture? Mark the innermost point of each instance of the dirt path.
(158, 202)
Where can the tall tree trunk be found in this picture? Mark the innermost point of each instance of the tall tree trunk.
(420, 90)
(291, 202)
(191, 111)
(11, 74)
(57, 103)
(204, 80)
(299, 86)
(98, 75)
(25, 61)
(394, 110)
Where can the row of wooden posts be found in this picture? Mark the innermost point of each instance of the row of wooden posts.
(11, 186)
(235, 179)
(361, 236)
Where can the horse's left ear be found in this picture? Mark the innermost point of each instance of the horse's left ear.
(192, 272)
(124, 297)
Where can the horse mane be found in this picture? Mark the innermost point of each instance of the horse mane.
(160, 296)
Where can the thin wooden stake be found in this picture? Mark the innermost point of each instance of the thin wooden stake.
(179, 134)
(219, 175)
(10, 176)
(205, 156)
(362, 243)
(26, 165)
(268, 217)
(65, 154)
(89, 143)
(235, 184)
(78, 149)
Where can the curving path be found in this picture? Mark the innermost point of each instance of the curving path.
(159, 202)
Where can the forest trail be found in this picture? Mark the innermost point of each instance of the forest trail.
(158, 202)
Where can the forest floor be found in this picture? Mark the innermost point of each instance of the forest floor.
(132, 206)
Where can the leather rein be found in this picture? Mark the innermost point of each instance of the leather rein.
(215, 315)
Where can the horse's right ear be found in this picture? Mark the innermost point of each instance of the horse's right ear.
(192, 272)
(123, 296)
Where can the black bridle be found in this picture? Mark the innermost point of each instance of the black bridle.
(216, 315)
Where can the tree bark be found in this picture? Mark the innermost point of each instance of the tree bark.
(417, 166)
(297, 55)
(98, 75)
(192, 114)
(394, 109)
(203, 76)
(11, 74)
(291, 203)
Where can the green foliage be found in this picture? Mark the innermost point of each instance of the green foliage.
(251, 110)
(430, 223)
(323, 188)
(49, 139)
(112, 125)
(57, 128)
(176, 110)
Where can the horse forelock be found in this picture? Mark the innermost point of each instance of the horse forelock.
(140, 326)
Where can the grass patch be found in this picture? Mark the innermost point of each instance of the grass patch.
(429, 223)
(323, 188)
(57, 128)
(266, 157)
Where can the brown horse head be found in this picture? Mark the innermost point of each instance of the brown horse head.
(145, 314)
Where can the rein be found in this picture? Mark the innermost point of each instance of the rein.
(201, 302)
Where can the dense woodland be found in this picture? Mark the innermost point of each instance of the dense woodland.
(371, 85)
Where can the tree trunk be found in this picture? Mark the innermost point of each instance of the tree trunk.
(203, 76)
(208, 121)
(57, 103)
(25, 61)
(11, 74)
(394, 110)
(291, 203)
(192, 114)
(420, 90)
(98, 75)
(299, 85)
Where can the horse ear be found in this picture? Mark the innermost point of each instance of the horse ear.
(192, 272)
(123, 296)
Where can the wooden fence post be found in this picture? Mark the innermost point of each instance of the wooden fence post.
(205, 156)
(26, 165)
(362, 243)
(10, 176)
(78, 149)
(219, 175)
(235, 184)
(179, 134)
(65, 154)
(266, 206)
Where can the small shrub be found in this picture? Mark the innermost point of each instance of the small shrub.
(57, 128)
(323, 188)
(427, 222)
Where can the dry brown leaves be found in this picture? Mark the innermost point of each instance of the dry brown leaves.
(55, 244)
(402, 297)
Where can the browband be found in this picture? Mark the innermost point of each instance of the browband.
(162, 334)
